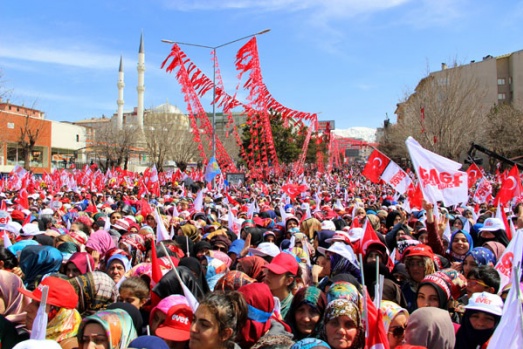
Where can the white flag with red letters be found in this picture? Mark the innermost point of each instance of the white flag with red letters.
(439, 177)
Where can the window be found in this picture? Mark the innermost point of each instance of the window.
(10, 125)
(78, 138)
(501, 81)
(501, 96)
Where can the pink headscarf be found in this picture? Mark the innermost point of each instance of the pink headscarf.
(100, 241)
(80, 259)
(15, 302)
(222, 256)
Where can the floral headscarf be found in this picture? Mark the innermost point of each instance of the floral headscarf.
(64, 325)
(215, 270)
(96, 290)
(314, 298)
(233, 280)
(389, 310)
(253, 266)
(118, 326)
(344, 307)
(310, 343)
(135, 245)
(344, 290)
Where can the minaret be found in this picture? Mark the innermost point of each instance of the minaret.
(141, 87)
(121, 85)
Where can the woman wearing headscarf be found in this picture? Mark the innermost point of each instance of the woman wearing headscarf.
(310, 343)
(252, 266)
(310, 227)
(395, 320)
(95, 290)
(215, 269)
(134, 244)
(63, 318)
(476, 257)
(233, 280)
(261, 318)
(12, 302)
(342, 325)
(114, 328)
(98, 244)
(197, 269)
(482, 316)
(38, 261)
(191, 231)
(496, 248)
(419, 262)
(397, 233)
(79, 263)
(431, 328)
(186, 244)
(306, 312)
(117, 266)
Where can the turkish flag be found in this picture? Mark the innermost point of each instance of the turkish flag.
(376, 164)
(510, 187)
(293, 190)
(415, 196)
(23, 199)
(474, 174)
(377, 336)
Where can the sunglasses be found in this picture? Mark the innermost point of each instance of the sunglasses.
(397, 331)
(219, 248)
(473, 282)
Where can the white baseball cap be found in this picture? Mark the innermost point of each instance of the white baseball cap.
(486, 302)
(492, 224)
(265, 249)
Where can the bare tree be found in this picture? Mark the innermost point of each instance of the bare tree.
(446, 111)
(505, 126)
(114, 147)
(168, 137)
(29, 134)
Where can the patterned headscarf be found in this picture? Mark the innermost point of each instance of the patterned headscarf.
(233, 280)
(135, 245)
(215, 270)
(482, 256)
(314, 298)
(389, 310)
(96, 290)
(253, 266)
(310, 343)
(64, 325)
(344, 290)
(344, 307)
(118, 326)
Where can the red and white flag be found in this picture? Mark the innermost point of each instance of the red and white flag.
(439, 177)
(376, 164)
(396, 177)
(474, 174)
(483, 191)
(509, 259)
(510, 187)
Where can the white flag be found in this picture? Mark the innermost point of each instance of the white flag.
(396, 177)
(509, 333)
(198, 201)
(161, 230)
(439, 177)
(509, 259)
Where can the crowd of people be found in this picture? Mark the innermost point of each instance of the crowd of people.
(253, 265)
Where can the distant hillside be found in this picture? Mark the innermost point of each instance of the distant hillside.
(365, 133)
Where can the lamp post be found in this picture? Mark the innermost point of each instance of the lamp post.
(214, 48)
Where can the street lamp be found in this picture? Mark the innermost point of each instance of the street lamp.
(214, 48)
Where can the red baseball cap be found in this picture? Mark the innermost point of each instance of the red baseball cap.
(283, 263)
(177, 324)
(418, 250)
(60, 294)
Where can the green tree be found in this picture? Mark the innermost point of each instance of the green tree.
(288, 141)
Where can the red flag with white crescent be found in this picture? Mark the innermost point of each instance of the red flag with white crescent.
(376, 164)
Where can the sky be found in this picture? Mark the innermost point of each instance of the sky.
(350, 61)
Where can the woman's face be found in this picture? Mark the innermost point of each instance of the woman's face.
(71, 270)
(401, 235)
(482, 321)
(157, 320)
(341, 332)
(116, 270)
(416, 268)
(468, 264)
(325, 263)
(423, 238)
(94, 337)
(427, 297)
(457, 224)
(460, 244)
(205, 330)
(306, 318)
(127, 296)
(396, 334)
(291, 223)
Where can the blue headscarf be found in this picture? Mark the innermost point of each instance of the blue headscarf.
(482, 256)
(37, 261)
(469, 239)
(309, 343)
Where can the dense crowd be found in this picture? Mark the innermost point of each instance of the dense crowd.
(325, 262)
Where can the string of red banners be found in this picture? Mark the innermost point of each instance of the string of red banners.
(261, 153)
